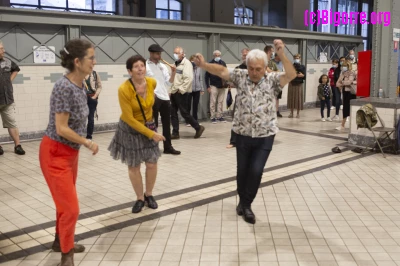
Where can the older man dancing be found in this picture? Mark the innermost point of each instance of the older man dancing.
(255, 121)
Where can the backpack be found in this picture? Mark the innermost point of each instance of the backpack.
(366, 112)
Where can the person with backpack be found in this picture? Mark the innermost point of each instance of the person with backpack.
(93, 88)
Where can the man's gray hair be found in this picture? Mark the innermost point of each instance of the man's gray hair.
(245, 49)
(181, 49)
(257, 54)
(216, 52)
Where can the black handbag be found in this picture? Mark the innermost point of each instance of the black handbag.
(149, 124)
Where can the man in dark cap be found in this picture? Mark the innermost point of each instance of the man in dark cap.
(162, 104)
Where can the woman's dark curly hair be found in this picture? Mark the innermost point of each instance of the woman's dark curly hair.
(75, 48)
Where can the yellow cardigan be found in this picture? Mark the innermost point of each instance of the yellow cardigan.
(131, 113)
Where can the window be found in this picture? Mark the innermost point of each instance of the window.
(89, 6)
(169, 9)
(351, 27)
(364, 27)
(324, 5)
(241, 18)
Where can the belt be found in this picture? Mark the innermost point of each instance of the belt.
(91, 95)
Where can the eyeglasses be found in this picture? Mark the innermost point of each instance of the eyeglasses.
(92, 58)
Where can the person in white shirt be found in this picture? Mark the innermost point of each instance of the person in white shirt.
(180, 88)
(162, 104)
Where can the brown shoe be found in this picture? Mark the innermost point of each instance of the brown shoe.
(199, 132)
(67, 259)
(57, 247)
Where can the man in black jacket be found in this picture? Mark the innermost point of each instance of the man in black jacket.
(216, 87)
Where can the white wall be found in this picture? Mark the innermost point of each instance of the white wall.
(312, 80)
(33, 97)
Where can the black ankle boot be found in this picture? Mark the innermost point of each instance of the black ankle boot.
(247, 213)
(67, 259)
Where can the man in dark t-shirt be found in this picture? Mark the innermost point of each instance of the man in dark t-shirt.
(8, 71)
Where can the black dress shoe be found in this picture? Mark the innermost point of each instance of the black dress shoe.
(151, 202)
(171, 151)
(1, 150)
(139, 204)
(173, 136)
(199, 132)
(247, 213)
(279, 114)
(18, 150)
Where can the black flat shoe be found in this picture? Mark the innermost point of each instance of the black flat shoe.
(18, 150)
(171, 151)
(151, 202)
(175, 136)
(1, 150)
(199, 132)
(139, 204)
(247, 213)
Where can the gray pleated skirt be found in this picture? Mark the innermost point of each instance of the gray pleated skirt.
(132, 147)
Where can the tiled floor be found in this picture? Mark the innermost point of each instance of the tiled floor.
(314, 207)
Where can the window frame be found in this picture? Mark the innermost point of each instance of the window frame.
(250, 18)
(66, 8)
(169, 10)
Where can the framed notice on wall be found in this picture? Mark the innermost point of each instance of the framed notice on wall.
(44, 55)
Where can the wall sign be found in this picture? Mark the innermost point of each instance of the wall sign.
(44, 55)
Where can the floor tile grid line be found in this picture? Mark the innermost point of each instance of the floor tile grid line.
(316, 222)
(312, 134)
(352, 230)
(165, 205)
(6, 235)
(43, 247)
(116, 221)
(382, 199)
(201, 250)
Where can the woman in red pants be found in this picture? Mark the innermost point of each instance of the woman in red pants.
(64, 136)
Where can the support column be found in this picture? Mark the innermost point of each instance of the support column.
(72, 32)
(384, 59)
(213, 44)
(303, 53)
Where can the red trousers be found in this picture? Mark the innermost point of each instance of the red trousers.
(59, 164)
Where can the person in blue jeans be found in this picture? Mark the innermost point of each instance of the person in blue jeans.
(325, 95)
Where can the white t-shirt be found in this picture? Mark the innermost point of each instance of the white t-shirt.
(160, 73)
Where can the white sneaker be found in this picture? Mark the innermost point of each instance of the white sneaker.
(333, 107)
(323, 119)
(341, 107)
(329, 119)
(188, 125)
(340, 128)
(336, 118)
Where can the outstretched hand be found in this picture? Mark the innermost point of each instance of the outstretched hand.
(199, 60)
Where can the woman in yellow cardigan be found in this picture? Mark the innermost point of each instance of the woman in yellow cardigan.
(136, 140)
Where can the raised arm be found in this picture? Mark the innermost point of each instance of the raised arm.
(214, 69)
(290, 72)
